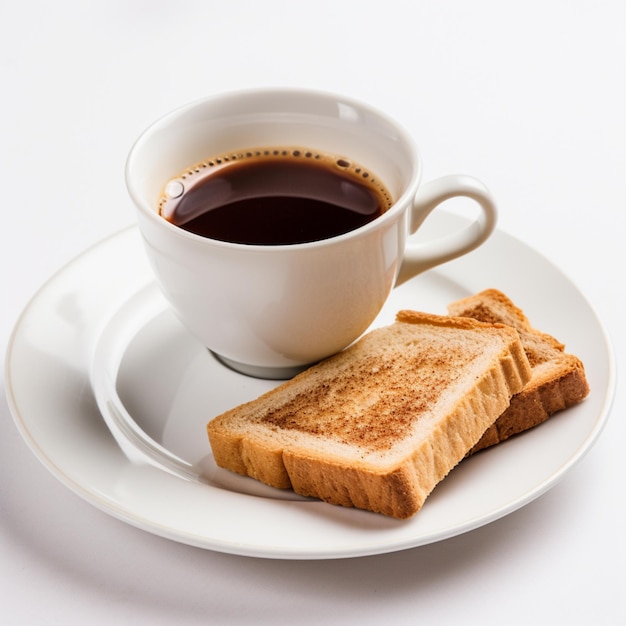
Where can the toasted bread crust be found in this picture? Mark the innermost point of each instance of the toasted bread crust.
(380, 424)
(558, 380)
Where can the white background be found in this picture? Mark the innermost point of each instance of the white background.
(527, 96)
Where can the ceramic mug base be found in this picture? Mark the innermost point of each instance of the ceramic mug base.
(260, 371)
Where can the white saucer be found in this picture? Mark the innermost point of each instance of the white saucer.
(102, 319)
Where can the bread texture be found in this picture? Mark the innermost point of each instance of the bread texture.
(558, 379)
(378, 425)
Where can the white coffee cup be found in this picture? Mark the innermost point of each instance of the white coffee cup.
(268, 311)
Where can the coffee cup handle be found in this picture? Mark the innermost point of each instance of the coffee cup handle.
(421, 256)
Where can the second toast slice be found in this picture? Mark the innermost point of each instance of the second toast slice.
(558, 378)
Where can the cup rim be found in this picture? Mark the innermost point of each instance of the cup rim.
(398, 206)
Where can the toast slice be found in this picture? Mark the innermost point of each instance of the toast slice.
(378, 425)
(558, 379)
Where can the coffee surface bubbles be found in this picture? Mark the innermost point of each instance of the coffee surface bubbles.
(274, 196)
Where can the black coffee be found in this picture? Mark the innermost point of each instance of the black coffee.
(274, 196)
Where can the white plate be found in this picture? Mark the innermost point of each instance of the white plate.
(101, 316)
